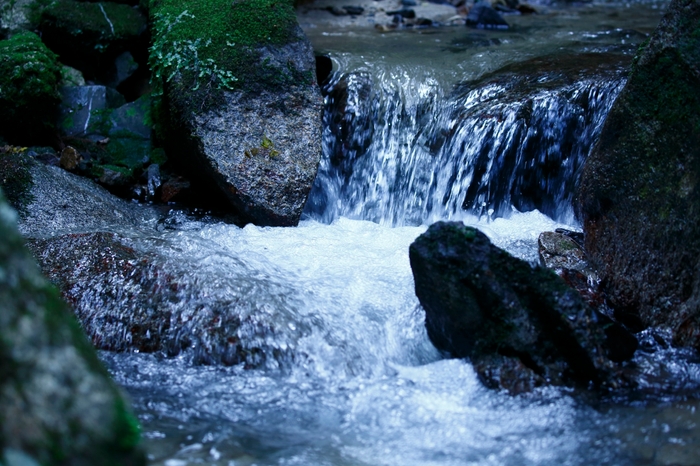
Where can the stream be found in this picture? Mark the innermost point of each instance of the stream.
(420, 125)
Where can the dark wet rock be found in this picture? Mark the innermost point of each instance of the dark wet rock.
(250, 128)
(124, 67)
(483, 16)
(129, 297)
(114, 178)
(174, 189)
(520, 326)
(29, 77)
(639, 197)
(57, 403)
(132, 120)
(90, 36)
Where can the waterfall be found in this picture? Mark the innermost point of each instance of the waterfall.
(401, 150)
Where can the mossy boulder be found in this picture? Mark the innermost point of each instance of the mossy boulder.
(240, 108)
(639, 194)
(521, 327)
(57, 403)
(89, 36)
(29, 77)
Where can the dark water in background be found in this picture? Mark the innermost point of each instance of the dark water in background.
(418, 129)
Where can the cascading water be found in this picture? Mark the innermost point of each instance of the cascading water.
(400, 151)
(334, 366)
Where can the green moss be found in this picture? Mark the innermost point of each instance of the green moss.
(214, 43)
(29, 77)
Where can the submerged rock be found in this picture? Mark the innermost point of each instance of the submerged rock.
(521, 327)
(136, 293)
(241, 107)
(57, 403)
(639, 197)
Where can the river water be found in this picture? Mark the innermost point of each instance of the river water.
(415, 131)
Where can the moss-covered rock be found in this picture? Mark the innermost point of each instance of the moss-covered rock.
(29, 76)
(223, 44)
(57, 403)
(89, 36)
(639, 196)
(234, 75)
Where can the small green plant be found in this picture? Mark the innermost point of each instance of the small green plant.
(168, 58)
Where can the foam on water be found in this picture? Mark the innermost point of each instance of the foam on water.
(366, 385)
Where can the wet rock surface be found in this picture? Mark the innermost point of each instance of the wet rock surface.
(252, 134)
(58, 202)
(129, 297)
(57, 403)
(639, 197)
(521, 327)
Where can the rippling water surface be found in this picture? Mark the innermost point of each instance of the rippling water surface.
(356, 380)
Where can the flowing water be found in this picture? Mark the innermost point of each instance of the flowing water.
(419, 126)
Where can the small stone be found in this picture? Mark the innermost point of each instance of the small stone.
(70, 158)
(173, 188)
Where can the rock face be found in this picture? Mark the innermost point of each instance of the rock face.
(521, 327)
(57, 403)
(241, 110)
(639, 195)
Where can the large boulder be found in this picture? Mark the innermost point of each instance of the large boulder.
(520, 326)
(57, 403)
(639, 194)
(29, 77)
(240, 105)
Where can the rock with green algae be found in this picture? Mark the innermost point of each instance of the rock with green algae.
(29, 77)
(240, 107)
(57, 403)
(639, 195)
(90, 35)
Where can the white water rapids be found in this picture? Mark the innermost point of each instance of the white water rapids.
(356, 381)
